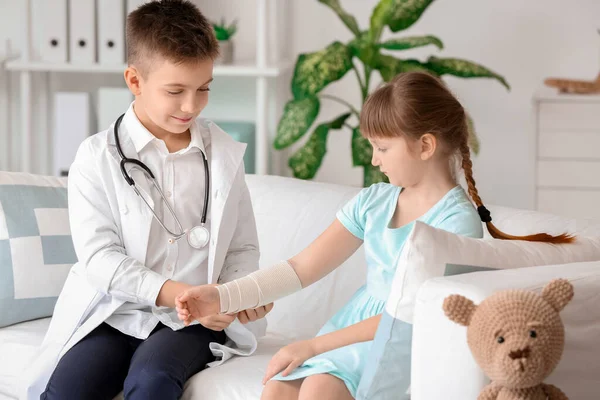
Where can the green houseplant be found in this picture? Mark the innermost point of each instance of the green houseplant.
(314, 71)
(224, 34)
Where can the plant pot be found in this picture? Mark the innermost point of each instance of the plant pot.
(226, 50)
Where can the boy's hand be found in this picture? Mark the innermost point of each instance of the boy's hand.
(197, 303)
(289, 358)
(254, 314)
(217, 322)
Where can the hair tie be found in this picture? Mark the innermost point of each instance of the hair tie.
(484, 214)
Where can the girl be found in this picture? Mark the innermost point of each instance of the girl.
(417, 128)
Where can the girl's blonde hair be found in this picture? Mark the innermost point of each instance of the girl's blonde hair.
(415, 103)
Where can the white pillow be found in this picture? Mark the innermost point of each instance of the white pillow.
(428, 251)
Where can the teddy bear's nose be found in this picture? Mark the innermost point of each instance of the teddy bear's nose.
(521, 353)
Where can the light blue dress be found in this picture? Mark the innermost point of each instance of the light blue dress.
(367, 216)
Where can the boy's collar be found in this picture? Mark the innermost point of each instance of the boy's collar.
(140, 136)
(196, 136)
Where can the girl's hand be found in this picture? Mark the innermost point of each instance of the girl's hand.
(254, 314)
(217, 322)
(197, 303)
(289, 358)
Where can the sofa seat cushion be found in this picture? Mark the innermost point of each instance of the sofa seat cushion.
(18, 345)
(237, 379)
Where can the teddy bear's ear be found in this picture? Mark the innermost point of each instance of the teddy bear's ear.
(459, 309)
(558, 293)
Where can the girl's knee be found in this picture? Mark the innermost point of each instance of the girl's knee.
(324, 386)
(281, 390)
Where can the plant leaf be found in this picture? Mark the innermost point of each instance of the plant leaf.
(298, 116)
(397, 14)
(411, 42)
(473, 139)
(362, 151)
(316, 70)
(338, 123)
(364, 48)
(389, 66)
(306, 161)
(463, 68)
(347, 18)
(373, 175)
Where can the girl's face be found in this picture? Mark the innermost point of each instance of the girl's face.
(403, 160)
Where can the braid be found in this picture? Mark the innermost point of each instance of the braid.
(485, 215)
(467, 166)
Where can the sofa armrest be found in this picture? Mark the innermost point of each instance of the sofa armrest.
(442, 364)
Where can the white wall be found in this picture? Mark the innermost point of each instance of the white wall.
(525, 41)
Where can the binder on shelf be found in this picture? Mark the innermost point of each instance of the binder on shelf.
(82, 35)
(112, 102)
(71, 127)
(49, 21)
(111, 31)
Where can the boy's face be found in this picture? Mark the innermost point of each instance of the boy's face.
(171, 95)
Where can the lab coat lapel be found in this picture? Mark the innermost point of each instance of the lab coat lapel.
(226, 156)
(140, 216)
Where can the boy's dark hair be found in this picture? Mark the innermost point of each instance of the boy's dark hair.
(173, 29)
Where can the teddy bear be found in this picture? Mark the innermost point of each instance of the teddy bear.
(517, 338)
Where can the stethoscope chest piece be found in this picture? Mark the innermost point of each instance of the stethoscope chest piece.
(198, 237)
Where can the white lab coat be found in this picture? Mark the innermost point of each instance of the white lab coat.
(112, 205)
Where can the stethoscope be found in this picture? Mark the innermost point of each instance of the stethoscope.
(198, 236)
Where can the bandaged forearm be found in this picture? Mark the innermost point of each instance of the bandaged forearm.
(259, 288)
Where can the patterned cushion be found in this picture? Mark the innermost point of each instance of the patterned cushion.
(36, 250)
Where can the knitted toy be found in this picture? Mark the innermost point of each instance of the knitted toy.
(517, 338)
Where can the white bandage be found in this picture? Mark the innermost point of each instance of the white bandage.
(259, 288)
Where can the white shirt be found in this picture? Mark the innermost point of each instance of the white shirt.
(181, 177)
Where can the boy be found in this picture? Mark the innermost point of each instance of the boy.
(135, 193)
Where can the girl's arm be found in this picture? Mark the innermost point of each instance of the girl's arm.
(362, 331)
(292, 356)
(327, 252)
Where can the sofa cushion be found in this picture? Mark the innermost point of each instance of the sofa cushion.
(18, 346)
(527, 222)
(428, 251)
(36, 250)
(238, 379)
(290, 214)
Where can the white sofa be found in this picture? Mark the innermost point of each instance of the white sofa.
(290, 214)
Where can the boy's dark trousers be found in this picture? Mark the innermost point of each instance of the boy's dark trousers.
(108, 361)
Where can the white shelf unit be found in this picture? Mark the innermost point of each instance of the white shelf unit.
(237, 69)
(260, 70)
(567, 158)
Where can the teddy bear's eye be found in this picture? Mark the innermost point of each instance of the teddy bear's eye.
(500, 339)
(532, 334)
